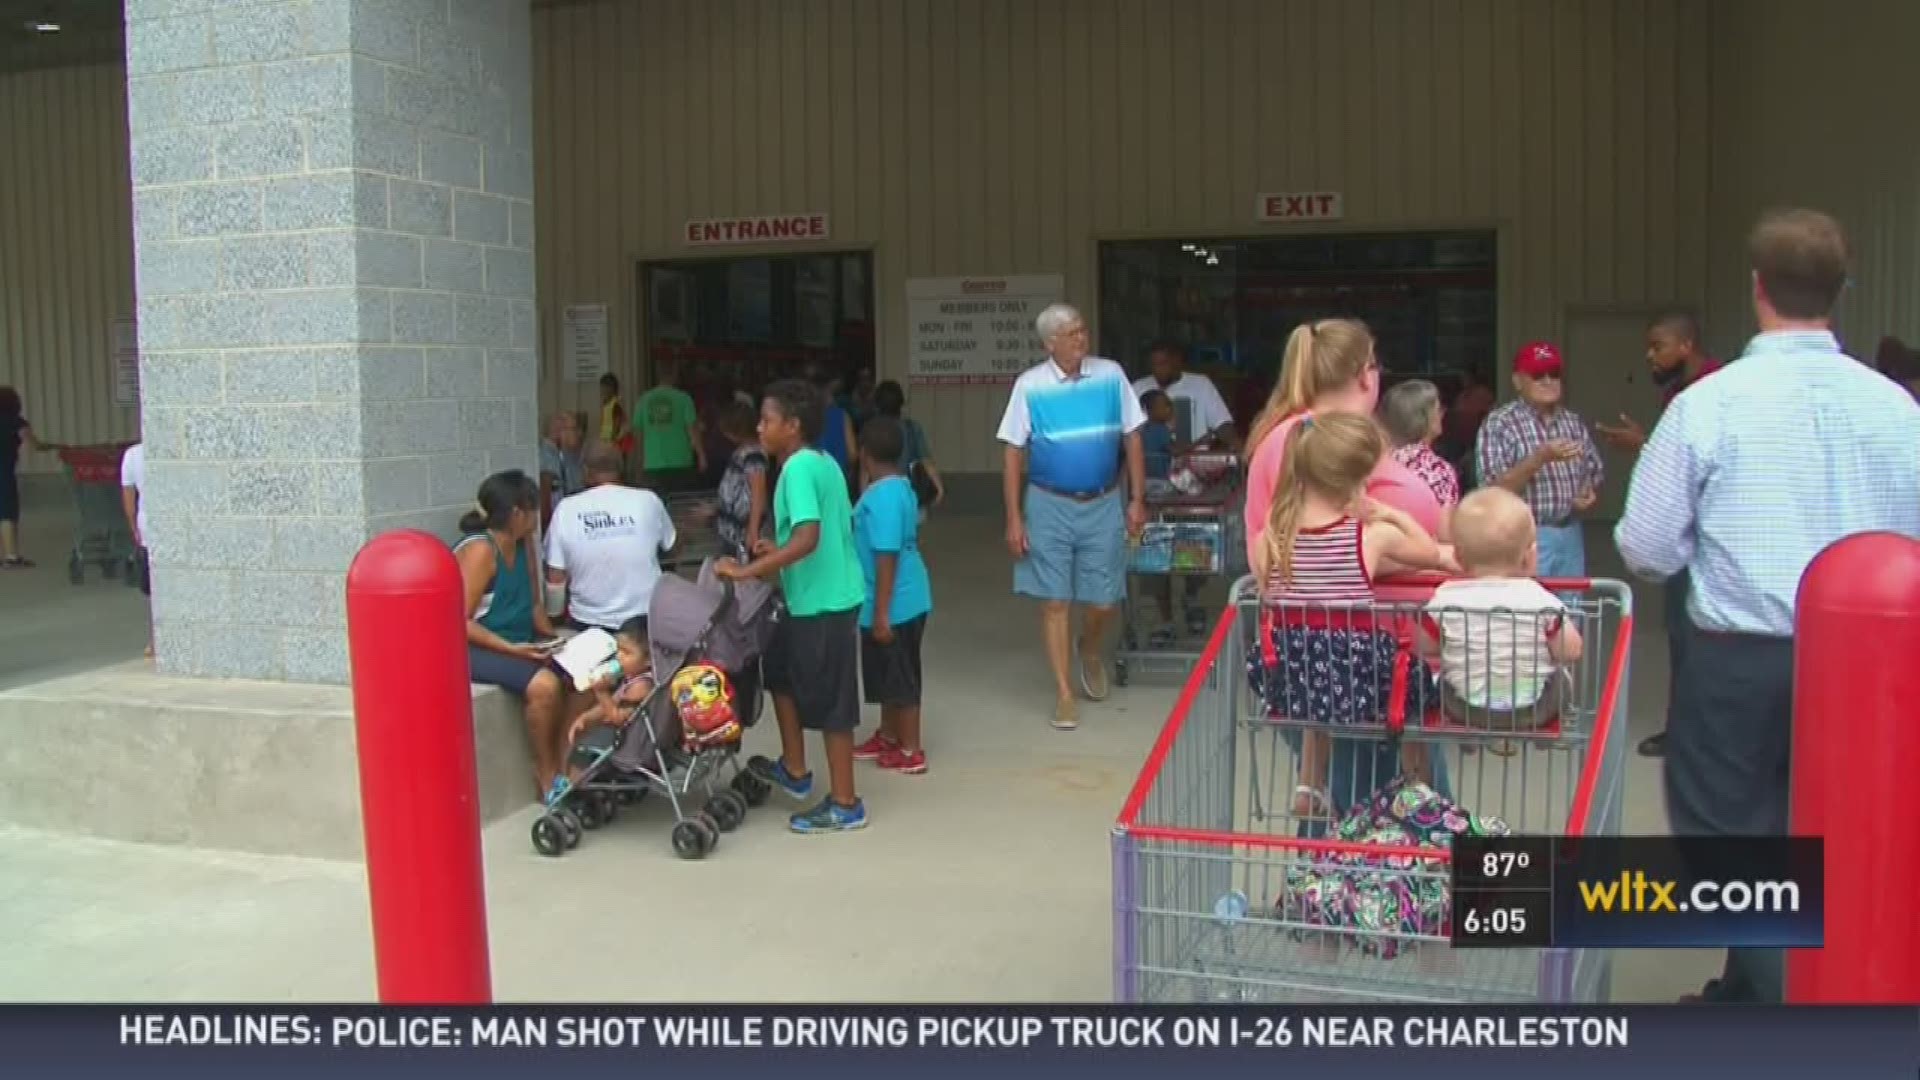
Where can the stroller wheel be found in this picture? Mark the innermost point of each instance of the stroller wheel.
(1120, 673)
(548, 838)
(592, 812)
(727, 809)
(753, 790)
(570, 826)
(690, 840)
(609, 805)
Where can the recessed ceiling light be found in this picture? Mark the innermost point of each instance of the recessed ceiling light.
(1213, 260)
(43, 26)
(1186, 247)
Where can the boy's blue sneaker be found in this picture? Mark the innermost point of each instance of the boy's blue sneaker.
(829, 816)
(775, 772)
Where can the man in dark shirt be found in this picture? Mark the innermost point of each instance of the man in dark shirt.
(1677, 360)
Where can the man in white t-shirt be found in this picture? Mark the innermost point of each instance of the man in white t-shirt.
(1206, 412)
(605, 543)
(1200, 414)
(133, 485)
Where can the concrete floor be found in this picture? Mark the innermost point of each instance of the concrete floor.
(987, 879)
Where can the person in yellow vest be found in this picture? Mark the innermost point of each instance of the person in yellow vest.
(613, 418)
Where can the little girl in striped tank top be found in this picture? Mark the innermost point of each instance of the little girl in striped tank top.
(1322, 658)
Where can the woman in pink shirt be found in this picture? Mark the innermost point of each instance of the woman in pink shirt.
(1329, 367)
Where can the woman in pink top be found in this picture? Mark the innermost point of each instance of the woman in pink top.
(1329, 367)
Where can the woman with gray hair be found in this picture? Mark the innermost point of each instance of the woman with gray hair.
(1411, 414)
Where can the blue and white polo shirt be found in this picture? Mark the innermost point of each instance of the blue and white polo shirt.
(1071, 427)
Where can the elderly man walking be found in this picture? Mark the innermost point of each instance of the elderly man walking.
(1747, 477)
(1067, 522)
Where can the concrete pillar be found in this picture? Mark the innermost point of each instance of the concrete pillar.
(333, 216)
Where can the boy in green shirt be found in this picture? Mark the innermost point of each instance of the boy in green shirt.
(812, 667)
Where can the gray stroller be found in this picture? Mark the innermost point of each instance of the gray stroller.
(707, 621)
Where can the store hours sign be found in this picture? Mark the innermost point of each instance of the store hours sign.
(970, 331)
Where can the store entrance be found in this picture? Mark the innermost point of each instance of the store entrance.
(1430, 299)
(729, 326)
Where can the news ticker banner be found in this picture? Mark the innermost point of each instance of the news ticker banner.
(1638, 892)
(936, 1041)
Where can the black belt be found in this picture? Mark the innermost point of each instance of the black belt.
(1077, 496)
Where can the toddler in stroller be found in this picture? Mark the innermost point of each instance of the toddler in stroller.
(680, 728)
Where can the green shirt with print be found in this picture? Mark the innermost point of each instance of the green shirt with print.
(663, 418)
(813, 488)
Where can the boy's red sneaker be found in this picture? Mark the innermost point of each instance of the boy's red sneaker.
(873, 748)
(900, 761)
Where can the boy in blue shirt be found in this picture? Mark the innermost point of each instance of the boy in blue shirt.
(886, 526)
(1156, 435)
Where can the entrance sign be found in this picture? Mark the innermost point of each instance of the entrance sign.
(971, 331)
(1301, 206)
(757, 230)
(583, 335)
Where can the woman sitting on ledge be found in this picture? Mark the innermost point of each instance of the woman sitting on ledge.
(505, 618)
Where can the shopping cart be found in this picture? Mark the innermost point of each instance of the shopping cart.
(100, 533)
(1208, 851)
(1194, 531)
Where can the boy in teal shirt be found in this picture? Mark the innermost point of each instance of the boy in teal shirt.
(812, 667)
(886, 527)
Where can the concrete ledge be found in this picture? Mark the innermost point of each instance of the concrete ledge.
(124, 753)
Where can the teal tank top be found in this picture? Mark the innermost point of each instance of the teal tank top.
(507, 606)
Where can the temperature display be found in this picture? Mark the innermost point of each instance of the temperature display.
(1502, 862)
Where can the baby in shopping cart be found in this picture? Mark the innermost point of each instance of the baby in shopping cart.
(1504, 641)
(1325, 656)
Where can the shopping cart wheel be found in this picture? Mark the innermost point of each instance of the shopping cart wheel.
(570, 827)
(592, 813)
(1120, 673)
(548, 838)
(728, 809)
(690, 840)
(76, 570)
(751, 788)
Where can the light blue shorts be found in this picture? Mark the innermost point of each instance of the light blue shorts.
(1076, 551)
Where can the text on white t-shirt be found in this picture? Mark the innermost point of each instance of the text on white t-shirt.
(608, 541)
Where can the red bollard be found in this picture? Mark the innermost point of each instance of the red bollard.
(419, 799)
(1856, 677)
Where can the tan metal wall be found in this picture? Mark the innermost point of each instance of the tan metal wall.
(962, 137)
(66, 249)
(1808, 112)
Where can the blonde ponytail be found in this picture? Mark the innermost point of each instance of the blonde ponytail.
(1320, 357)
(1283, 520)
(1332, 455)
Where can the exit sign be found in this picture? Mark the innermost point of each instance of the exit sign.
(1301, 206)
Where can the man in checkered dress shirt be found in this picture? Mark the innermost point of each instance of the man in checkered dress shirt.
(1747, 477)
(1540, 450)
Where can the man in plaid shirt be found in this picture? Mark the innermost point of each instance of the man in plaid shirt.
(1541, 451)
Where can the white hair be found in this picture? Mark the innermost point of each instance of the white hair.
(1050, 322)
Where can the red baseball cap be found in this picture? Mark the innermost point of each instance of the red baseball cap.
(1536, 359)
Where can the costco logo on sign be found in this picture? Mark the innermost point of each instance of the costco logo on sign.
(1301, 206)
(757, 230)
